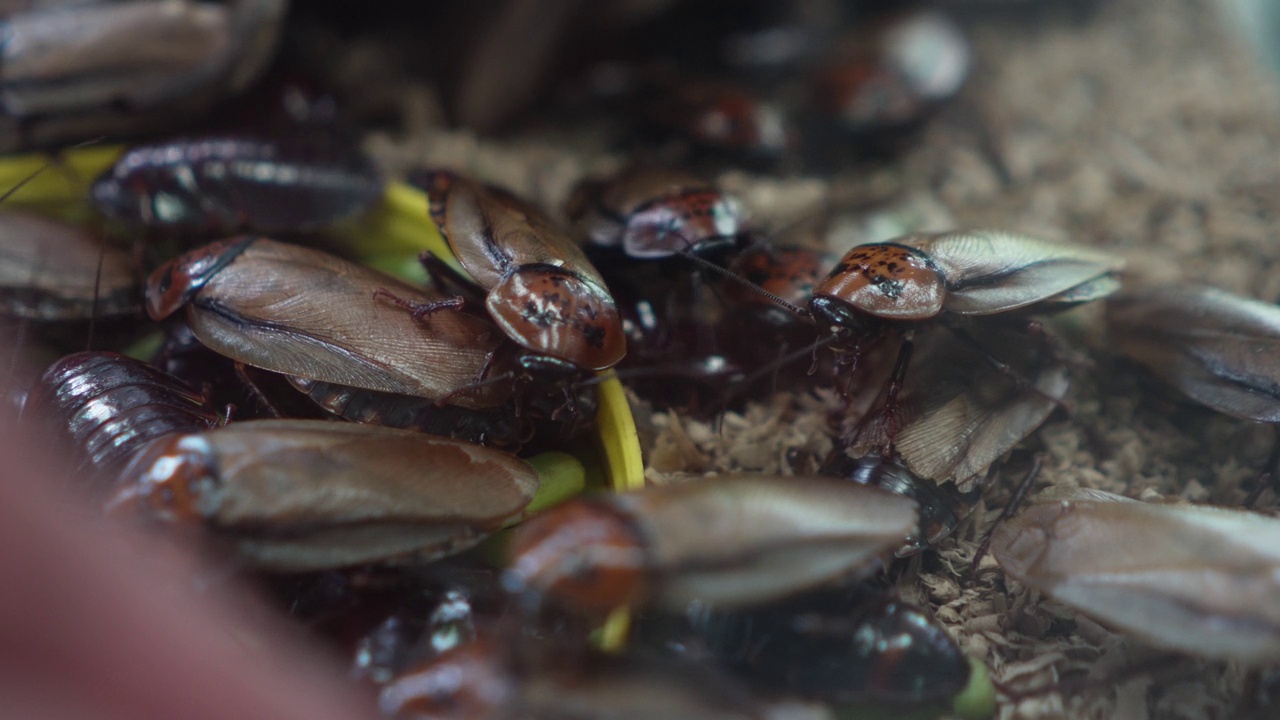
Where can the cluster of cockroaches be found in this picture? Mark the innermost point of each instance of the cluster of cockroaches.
(345, 430)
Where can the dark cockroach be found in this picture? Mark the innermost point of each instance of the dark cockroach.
(499, 428)
(1221, 350)
(482, 679)
(841, 647)
(783, 271)
(655, 213)
(219, 186)
(734, 540)
(895, 286)
(1197, 579)
(306, 313)
(302, 495)
(107, 406)
(539, 286)
(50, 270)
(717, 116)
(942, 506)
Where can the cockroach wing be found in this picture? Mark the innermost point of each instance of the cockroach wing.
(746, 539)
(50, 270)
(303, 312)
(492, 233)
(1198, 579)
(993, 271)
(1222, 350)
(297, 494)
(957, 414)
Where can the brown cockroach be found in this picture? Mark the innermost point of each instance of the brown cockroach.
(1197, 579)
(1220, 349)
(303, 312)
(539, 287)
(949, 277)
(734, 540)
(655, 213)
(50, 270)
(107, 406)
(303, 495)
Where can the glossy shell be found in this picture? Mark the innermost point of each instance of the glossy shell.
(303, 495)
(224, 185)
(654, 213)
(971, 272)
(299, 311)
(1222, 350)
(542, 289)
(734, 540)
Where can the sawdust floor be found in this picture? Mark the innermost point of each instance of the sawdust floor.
(1145, 129)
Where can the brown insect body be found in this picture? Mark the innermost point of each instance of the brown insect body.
(734, 540)
(655, 213)
(302, 312)
(50, 270)
(541, 289)
(301, 495)
(1219, 349)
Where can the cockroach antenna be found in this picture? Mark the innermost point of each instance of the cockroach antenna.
(724, 272)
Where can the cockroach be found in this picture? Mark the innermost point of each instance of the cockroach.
(1219, 349)
(539, 286)
(718, 116)
(245, 299)
(70, 71)
(219, 186)
(304, 495)
(107, 406)
(482, 679)
(784, 271)
(499, 428)
(54, 271)
(949, 277)
(942, 506)
(1196, 579)
(734, 540)
(653, 213)
(834, 646)
(891, 74)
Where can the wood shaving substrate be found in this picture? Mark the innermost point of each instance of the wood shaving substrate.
(1145, 129)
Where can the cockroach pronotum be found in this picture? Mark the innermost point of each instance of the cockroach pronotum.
(302, 495)
(303, 312)
(734, 540)
(539, 287)
(219, 186)
(654, 213)
(1197, 579)
(108, 406)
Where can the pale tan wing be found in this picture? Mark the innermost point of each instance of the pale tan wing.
(957, 414)
(1198, 579)
(279, 475)
(1222, 350)
(994, 271)
(303, 312)
(743, 539)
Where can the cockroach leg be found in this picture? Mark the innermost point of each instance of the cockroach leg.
(1019, 495)
(1000, 366)
(242, 372)
(891, 393)
(421, 310)
(1268, 476)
